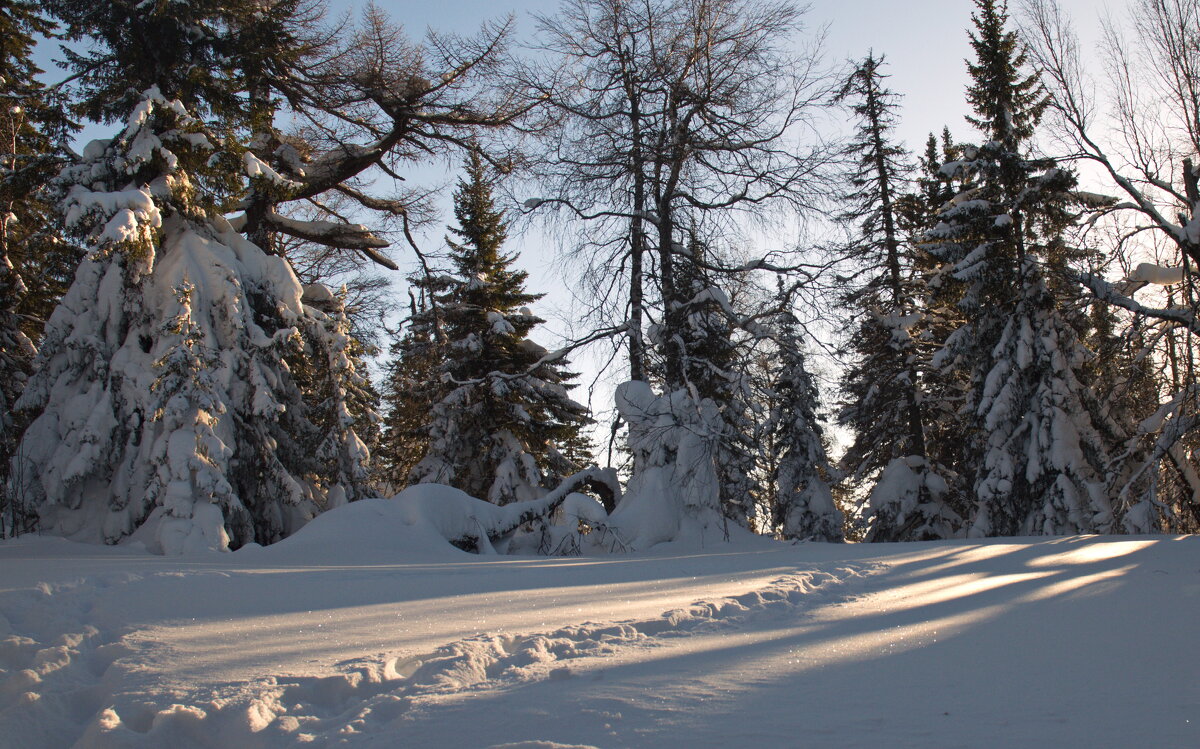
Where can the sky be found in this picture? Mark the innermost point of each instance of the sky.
(924, 41)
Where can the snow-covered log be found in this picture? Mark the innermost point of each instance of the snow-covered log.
(475, 525)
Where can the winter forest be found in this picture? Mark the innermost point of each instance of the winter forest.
(616, 374)
(210, 336)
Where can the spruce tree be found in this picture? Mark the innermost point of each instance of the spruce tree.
(1036, 457)
(944, 389)
(503, 412)
(802, 505)
(411, 385)
(165, 403)
(1123, 374)
(713, 353)
(884, 384)
(35, 262)
(342, 402)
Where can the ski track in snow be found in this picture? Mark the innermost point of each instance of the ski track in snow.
(63, 677)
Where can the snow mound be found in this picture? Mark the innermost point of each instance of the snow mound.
(423, 522)
(379, 531)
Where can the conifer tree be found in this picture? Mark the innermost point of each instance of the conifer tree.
(1036, 457)
(35, 262)
(714, 351)
(885, 383)
(802, 505)
(943, 389)
(411, 385)
(503, 413)
(343, 404)
(165, 403)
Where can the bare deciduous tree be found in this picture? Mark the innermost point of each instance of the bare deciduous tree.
(671, 115)
(1142, 130)
(365, 107)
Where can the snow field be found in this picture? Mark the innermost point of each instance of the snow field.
(374, 641)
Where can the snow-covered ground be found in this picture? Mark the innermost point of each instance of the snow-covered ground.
(360, 631)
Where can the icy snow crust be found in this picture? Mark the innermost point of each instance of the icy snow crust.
(367, 629)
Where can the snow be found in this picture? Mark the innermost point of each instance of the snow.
(499, 324)
(1157, 274)
(365, 629)
(1191, 230)
(255, 167)
(133, 213)
(317, 293)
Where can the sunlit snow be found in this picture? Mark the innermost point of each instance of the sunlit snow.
(367, 629)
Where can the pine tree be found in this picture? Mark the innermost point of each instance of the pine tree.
(165, 403)
(1036, 457)
(503, 413)
(802, 505)
(35, 262)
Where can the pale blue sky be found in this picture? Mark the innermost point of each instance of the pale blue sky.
(925, 42)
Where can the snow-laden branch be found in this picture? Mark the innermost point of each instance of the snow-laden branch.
(333, 234)
(1107, 292)
(494, 523)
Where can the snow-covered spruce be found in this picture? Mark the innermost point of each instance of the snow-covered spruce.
(907, 503)
(34, 261)
(164, 402)
(1037, 457)
(802, 502)
(500, 423)
(715, 354)
(341, 402)
(885, 385)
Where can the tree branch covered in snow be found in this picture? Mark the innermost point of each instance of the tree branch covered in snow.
(499, 523)
(1106, 291)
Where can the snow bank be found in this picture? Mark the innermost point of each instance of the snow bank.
(376, 531)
